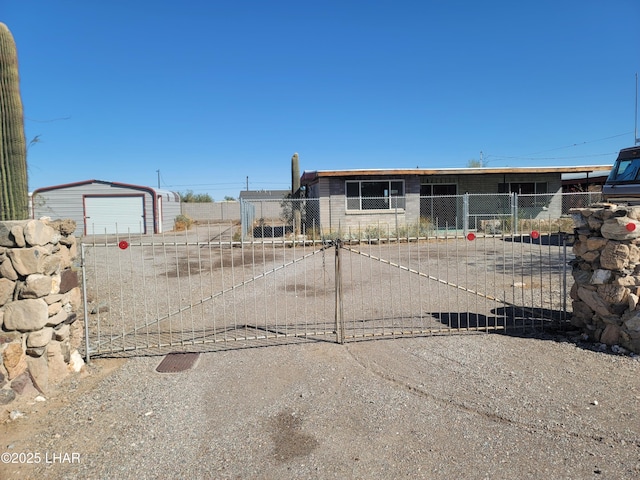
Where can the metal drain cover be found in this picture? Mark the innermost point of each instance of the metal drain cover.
(177, 362)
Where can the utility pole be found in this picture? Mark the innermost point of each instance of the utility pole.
(158, 172)
(247, 183)
(481, 159)
(635, 136)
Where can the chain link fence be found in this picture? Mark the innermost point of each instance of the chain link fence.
(366, 218)
(281, 218)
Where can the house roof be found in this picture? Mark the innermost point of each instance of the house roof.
(115, 184)
(313, 175)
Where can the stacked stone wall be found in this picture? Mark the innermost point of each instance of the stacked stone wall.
(606, 290)
(39, 303)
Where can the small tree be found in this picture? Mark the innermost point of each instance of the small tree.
(473, 163)
(293, 211)
(190, 197)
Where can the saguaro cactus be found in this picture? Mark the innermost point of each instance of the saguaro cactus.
(295, 175)
(14, 193)
(295, 192)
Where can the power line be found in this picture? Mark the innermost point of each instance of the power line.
(47, 121)
(528, 155)
(498, 157)
(223, 184)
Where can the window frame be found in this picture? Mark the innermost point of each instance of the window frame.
(351, 200)
(506, 187)
(529, 199)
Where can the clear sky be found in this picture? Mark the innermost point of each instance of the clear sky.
(210, 92)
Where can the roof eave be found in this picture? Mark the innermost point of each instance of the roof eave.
(315, 174)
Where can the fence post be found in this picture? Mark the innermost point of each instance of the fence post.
(243, 220)
(87, 356)
(465, 214)
(564, 281)
(397, 232)
(338, 296)
(514, 213)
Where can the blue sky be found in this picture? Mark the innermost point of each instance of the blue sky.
(212, 92)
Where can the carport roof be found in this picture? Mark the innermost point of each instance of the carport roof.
(310, 176)
(115, 184)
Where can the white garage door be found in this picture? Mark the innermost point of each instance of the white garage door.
(114, 214)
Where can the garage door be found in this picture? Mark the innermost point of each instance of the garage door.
(121, 214)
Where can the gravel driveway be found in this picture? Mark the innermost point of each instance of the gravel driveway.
(466, 406)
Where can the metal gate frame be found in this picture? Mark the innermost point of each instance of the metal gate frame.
(509, 314)
(130, 312)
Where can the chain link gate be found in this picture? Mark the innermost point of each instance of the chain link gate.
(202, 290)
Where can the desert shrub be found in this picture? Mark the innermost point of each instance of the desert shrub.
(419, 229)
(190, 197)
(374, 233)
(182, 222)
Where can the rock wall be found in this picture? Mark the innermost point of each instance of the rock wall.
(606, 272)
(39, 302)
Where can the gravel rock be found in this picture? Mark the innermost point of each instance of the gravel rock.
(7, 396)
(467, 406)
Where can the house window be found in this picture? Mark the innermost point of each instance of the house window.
(523, 188)
(375, 194)
(438, 189)
(534, 194)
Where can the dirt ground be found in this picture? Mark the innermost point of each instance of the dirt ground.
(456, 406)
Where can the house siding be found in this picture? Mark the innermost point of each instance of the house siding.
(333, 212)
(488, 184)
(322, 216)
(171, 208)
(485, 199)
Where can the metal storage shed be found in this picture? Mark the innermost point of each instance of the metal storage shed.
(100, 207)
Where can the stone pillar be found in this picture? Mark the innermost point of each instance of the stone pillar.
(40, 299)
(606, 273)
